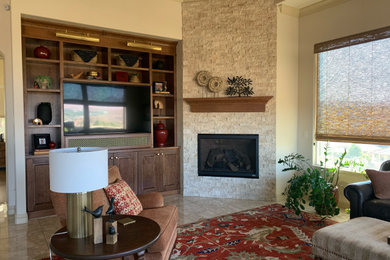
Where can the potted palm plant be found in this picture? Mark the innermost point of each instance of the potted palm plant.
(317, 184)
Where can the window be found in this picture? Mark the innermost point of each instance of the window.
(353, 93)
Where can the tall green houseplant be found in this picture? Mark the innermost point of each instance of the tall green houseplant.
(317, 184)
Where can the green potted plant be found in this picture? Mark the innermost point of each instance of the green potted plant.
(317, 184)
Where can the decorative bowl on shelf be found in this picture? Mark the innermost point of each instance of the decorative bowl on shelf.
(42, 52)
(87, 56)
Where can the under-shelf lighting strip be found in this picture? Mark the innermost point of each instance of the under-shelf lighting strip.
(82, 37)
(144, 46)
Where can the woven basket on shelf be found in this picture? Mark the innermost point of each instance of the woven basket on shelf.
(86, 56)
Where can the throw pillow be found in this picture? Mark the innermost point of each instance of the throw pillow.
(380, 181)
(126, 202)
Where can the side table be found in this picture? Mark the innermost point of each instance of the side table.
(132, 239)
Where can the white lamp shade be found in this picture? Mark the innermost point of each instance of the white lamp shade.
(73, 171)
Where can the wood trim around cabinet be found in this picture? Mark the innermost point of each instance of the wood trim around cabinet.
(228, 104)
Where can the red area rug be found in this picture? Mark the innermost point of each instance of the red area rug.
(269, 232)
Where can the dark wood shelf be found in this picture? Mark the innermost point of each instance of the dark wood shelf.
(38, 90)
(119, 67)
(44, 126)
(228, 104)
(96, 81)
(163, 95)
(162, 71)
(39, 60)
(163, 117)
(86, 64)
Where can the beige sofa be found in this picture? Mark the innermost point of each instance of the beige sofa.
(153, 208)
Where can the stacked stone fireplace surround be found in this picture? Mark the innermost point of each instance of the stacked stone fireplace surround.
(230, 38)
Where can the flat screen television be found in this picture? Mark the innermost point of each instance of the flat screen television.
(106, 109)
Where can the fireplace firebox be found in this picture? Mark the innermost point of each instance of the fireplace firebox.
(228, 155)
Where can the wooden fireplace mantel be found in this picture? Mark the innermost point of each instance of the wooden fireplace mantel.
(228, 104)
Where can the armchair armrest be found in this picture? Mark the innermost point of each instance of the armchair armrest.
(357, 193)
(151, 200)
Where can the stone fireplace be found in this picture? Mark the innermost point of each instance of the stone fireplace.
(228, 155)
(237, 38)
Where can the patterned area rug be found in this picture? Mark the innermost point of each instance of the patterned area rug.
(268, 232)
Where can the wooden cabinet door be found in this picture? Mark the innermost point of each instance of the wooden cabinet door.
(127, 164)
(170, 169)
(111, 159)
(38, 184)
(149, 177)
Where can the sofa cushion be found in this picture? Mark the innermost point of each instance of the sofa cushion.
(126, 202)
(113, 174)
(377, 208)
(380, 181)
(166, 217)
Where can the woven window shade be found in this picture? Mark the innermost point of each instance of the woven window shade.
(353, 96)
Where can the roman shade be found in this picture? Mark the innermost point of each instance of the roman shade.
(353, 88)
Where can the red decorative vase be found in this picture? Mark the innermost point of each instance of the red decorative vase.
(42, 52)
(160, 135)
(52, 145)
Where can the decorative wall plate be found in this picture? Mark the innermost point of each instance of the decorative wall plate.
(203, 78)
(215, 84)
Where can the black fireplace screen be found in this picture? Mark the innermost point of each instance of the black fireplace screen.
(228, 155)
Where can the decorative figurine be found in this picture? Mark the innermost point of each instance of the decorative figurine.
(97, 224)
(110, 210)
(97, 213)
(111, 225)
(37, 121)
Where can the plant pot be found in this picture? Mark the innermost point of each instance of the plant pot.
(322, 210)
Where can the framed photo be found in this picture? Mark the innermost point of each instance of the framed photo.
(158, 86)
(41, 141)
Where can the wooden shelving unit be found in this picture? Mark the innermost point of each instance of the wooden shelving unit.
(135, 161)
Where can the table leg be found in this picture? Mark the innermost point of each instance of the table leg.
(140, 255)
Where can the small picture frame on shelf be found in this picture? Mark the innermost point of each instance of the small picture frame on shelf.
(160, 87)
(41, 141)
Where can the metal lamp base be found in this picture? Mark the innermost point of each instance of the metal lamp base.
(79, 222)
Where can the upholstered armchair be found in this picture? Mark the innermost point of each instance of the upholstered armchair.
(363, 201)
(153, 208)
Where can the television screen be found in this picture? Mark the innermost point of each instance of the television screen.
(99, 109)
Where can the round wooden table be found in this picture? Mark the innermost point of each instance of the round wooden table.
(132, 239)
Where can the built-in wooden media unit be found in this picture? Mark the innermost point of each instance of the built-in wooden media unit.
(145, 167)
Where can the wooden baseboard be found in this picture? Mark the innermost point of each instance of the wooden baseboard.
(41, 213)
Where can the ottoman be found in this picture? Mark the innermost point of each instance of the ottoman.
(359, 238)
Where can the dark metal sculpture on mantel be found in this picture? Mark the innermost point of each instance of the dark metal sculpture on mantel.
(239, 86)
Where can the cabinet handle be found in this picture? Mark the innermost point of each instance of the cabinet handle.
(116, 157)
(162, 153)
(158, 154)
(112, 158)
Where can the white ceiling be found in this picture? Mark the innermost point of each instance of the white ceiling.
(300, 3)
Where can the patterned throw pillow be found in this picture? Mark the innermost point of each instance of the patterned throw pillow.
(126, 202)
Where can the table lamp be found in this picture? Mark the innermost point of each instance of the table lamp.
(77, 172)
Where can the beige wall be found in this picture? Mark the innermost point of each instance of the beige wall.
(230, 38)
(6, 53)
(348, 18)
(286, 91)
(156, 18)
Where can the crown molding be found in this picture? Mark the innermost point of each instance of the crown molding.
(320, 6)
(288, 10)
